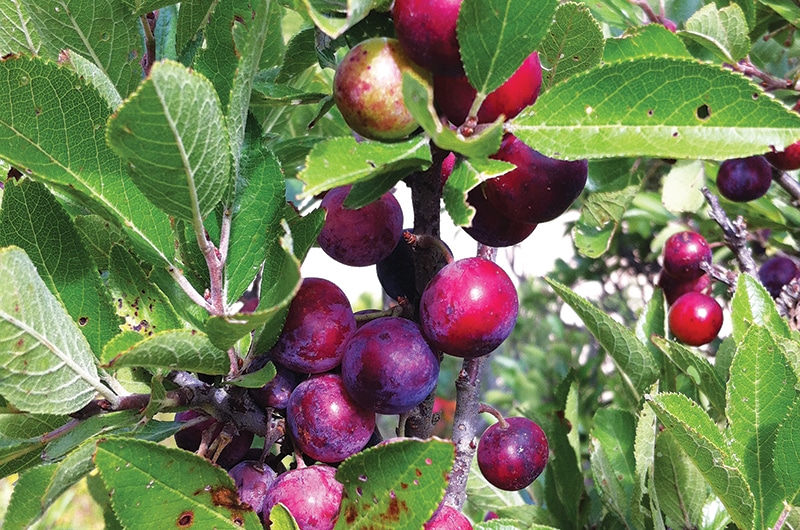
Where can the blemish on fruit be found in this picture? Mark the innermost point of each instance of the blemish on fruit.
(185, 519)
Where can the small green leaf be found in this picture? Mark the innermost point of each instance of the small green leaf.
(103, 31)
(681, 187)
(724, 32)
(32, 219)
(21, 447)
(175, 350)
(644, 451)
(255, 379)
(281, 518)
(612, 459)
(93, 75)
(785, 8)
(153, 486)
(573, 44)
(650, 40)
(697, 368)
(699, 437)
(334, 18)
(637, 364)
(99, 237)
(760, 391)
(495, 36)
(564, 486)
(644, 107)
(17, 33)
(405, 481)
(24, 508)
(300, 55)
(340, 161)
(787, 454)
(192, 19)
(682, 491)
(304, 230)
(46, 365)
(468, 173)
(752, 304)
(418, 98)
(101, 424)
(484, 497)
(172, 134)
(268, 94)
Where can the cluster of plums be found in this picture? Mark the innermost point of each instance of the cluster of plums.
(368, 93)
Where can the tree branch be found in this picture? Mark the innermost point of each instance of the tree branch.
(735, 233)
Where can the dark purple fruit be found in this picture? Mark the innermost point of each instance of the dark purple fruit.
(776, 272)
(319, 322)
(695, 319)
(744, 179)
(454, 95)
(469, 308)
(325, 422)
(540, 188)
(396, 272)
(275, 394)
(190, 438)
(311, 494)
(684, 254)
(388, 366)
(363, 236)
(427, 32)
(511, 457)
(368, 89)
(490, 227)
(252, 482)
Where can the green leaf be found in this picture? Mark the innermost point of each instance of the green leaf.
(495, 36)
(192, 19)
(696, 434)
(255, 379)
(644, 451)
(564, 486)
(53, 125)
(46, 365)
(304, 230)
(340, 161)
(257, 209)
(175, 350)
(646, 107)
(21, 444)
(32, 219)
(153, 486)
(682, 492)
(267, 94)
(699, 370)
(681, 187)
(612, 459)
(172, 134)
(484, 497)
(165, 32)
(638, 366)
(760, 391)
(405, 481)
(145, 308)
(418, 98)
(99, 237)
(752, 304)
(38, 488)
(17, 33)
(468, 173)
(96, 77)
(787, 454)
(300, 55)
(650, 40)
(282, 519)
(573, 44)
(334, 18)
(280, 281)
(724, 32)
(785, 8)
(103, 31)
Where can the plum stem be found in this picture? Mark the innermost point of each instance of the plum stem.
(428, 242)
(486, 408)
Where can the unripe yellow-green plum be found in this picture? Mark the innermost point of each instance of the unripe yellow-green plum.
(368, 89)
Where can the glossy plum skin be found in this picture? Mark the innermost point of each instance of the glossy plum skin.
(511, 458)
(469, 308)
(252, 483)
(396, 272)
(311, 494)
(453, 96)
(388, 366)
(447, 518)
(776, 272)
(427, 32)
(490, 227)
(190, 438)
(786, 160)
(744, 179)
(368, 89)
(318, 324)
(683, 255)
(540, 188)
(360, 237)
(673, 289)
(275, 393)
(325, 422)
(695, 319)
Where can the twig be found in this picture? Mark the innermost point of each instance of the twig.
(735, 233)
(189, 289)
(782, 519)
(789, 184)
(150, 45)
(768, 81)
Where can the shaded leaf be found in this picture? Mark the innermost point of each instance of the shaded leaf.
(175, 350)
(334, 18)
(17, 33)
(468, 173)
(152, 486)
(21, 443)
(681, 187)
(255, 379)
(193, 18)
(752, 304)
(46, 365)
(644, 107)
(682, 492)
(612, 459)
(573, 44)
(724, 32)
(645, 41)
